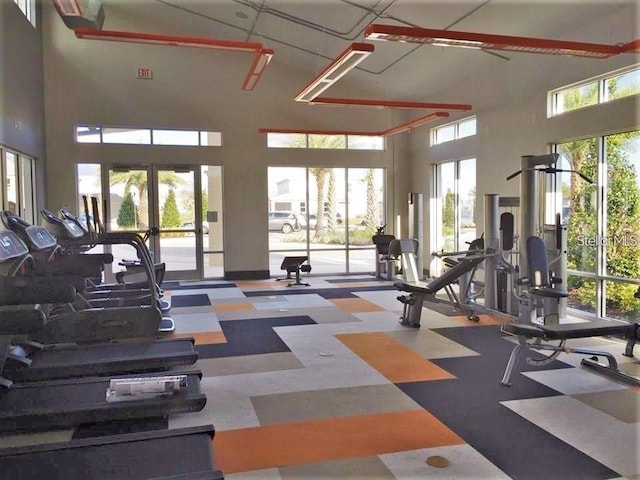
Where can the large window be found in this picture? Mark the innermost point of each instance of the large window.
(147, 136)
(603, 223)
(329, 214)
(340, 142)
(28, 7)
(453, 131)
(453, 206)
(612, 86)
(18, 184)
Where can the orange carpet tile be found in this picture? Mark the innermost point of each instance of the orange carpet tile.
(356, 305)
(395, 361)
(273, 446)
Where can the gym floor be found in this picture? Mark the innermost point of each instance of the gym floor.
(323, 382)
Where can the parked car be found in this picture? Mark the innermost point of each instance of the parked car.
(192, 225)
(313, 220)
(286, 222)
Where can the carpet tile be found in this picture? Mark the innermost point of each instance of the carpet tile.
(196, 300)
(332, 439)
(251, 337)
(323, 382)
(392, 359)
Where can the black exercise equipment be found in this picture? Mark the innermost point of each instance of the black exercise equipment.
(181, 454)
(533, 336)
(385, 264)
(71, 325)
(420, 292)
(67, 403)
(75, 235)
(295, 265)
(23, 298)
(72, 402)
(50, 260)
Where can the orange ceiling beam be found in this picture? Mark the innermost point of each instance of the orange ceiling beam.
(171, 40)
(403, 127)
(449, 38)
(260, 62)
(361, 102)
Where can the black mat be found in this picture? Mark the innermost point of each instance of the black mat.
(195, 300)
(470, 406)
(251, 337)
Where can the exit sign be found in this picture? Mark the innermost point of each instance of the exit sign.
(144, 73)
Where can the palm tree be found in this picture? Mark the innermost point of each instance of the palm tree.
(325, 142)
(138, 179)
(321, 179)
(331, 201)
(371, 216)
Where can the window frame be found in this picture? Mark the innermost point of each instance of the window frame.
(456, 130)
(307, 143)
(201, 134)
(553, 96)
(600, 276)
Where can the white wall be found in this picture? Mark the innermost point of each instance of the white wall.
(93, 82)
(510, 101)
(22, 88)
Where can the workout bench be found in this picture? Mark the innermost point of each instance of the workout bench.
(532, 336)
(295, 265)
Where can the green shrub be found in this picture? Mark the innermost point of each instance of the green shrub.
(127, 215)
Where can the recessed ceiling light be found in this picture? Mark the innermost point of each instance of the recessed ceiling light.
(242, 15)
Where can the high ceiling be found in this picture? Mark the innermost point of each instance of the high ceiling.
(309, 34)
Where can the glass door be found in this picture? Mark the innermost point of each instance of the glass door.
(159, 203)
(178, 214)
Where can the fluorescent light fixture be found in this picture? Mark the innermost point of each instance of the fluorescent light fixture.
(172, 40)
(338, 68)
(361, 102)
(260, 63)
(404, 127)
(410, 125)
(68, 7)
(486, 41)
(447, 42)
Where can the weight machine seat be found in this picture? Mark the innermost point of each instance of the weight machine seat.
(547, 292)
(465, 265)
(382, 242)
(565, 331)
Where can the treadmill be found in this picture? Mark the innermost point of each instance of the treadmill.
(182, 454)
(66, 403)
(31, 361)
(96, 324)
(75, 237)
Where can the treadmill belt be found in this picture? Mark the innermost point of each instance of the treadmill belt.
(60, 404)
(105, 359)
(120, 427)
(125, 457)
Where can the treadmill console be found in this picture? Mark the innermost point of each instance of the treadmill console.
(11, 246)
(73, 229)
(40, 237)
